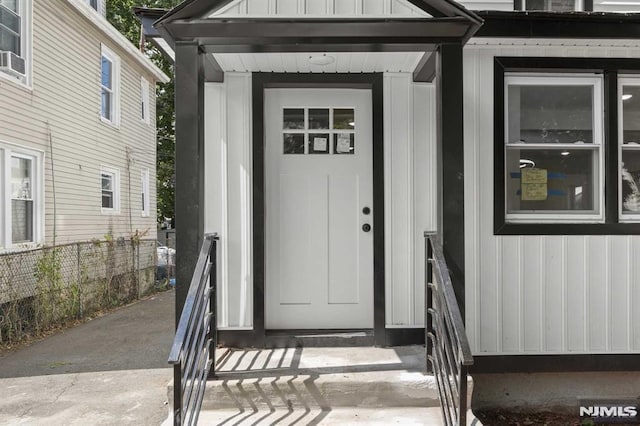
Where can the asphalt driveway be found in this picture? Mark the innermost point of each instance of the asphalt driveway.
(111, 370)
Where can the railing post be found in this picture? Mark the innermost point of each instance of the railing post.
(428, 292)
(177, 394)
(213, 305)
(462, 414)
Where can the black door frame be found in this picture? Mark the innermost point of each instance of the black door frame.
(374, 82)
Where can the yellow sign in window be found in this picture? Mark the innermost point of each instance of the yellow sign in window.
(533, 184)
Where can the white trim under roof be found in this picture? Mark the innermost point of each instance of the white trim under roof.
(114, 35)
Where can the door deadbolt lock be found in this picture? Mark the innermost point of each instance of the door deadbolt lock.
(366, 227)
(366, 210)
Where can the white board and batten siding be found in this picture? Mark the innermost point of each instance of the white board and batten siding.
(410, 191)
(318, 8)
(539, 294)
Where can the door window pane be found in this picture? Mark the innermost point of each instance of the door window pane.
(319, 143)
(318, 118)
(343, 118)
(344, 143)
(293, 143)
(293, 118)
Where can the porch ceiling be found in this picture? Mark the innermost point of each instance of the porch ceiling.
(342, 62)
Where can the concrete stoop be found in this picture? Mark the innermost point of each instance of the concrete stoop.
(322, 386)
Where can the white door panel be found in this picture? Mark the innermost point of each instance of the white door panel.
(318, 170)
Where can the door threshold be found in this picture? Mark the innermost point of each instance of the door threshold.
(318, 338)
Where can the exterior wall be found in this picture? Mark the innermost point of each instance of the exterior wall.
(320, 8)
(539, 294)
(409, 193)
(60, 116)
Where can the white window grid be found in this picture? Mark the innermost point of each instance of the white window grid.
(144, 191)
(561, 216)
(624, 81)
(330, 131)
(114, 175)
(7, 152)
(145, 112)
(26, 37)
(578, 5)
(113, 113)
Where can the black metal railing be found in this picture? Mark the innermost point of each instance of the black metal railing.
(448, 351)
(193, 351)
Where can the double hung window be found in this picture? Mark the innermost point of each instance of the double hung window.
(109, 86)
(15, 43)
(110, 188)
(567, 146)
(20, 188)
(553, 148)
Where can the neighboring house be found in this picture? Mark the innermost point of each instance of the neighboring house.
(77, 128)
(335, 133)
(78, 115)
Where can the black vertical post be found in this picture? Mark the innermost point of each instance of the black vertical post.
(451, 162)
(213, 305)
(611, 143)
(428, 293)
(189, 164)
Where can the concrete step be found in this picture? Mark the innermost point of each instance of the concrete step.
(320, 385)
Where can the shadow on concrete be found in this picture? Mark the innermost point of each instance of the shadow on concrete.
(137, 336)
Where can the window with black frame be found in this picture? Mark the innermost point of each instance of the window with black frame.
(566, 146)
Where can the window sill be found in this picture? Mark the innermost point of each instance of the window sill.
(109, 212)
(115, 125)
(16, 81)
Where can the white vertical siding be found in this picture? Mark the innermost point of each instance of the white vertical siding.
(353, 8)
(410, 191)
(538, 294)
(228, 180)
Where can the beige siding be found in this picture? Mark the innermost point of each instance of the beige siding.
(62, 111)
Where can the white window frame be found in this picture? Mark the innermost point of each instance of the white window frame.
(26, 46)
(115, 89)
(561, 216)
(624, 81)
(144, 191)
(100, 6)
(145, 105)
(577, 4)
(7, 151)
(115, 174)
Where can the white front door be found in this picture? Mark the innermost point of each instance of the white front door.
(319, 209)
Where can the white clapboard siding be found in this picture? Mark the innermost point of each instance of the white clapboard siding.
(63, 110)
(410, 193)
(315, 8)
(539, 294)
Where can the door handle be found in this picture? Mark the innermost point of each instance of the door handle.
(366, 227)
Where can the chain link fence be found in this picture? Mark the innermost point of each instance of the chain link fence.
(42, 288)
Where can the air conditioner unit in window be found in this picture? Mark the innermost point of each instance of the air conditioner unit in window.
(12, 64)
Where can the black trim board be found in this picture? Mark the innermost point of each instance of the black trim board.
(189, 198)
(249, 338)
(450, 101)
(500, 364)
(609, 68)
(585, 25)
(374, 81)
